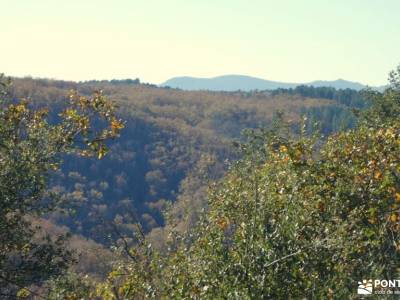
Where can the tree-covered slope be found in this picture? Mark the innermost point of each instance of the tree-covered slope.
(170, 138)
(297, 217)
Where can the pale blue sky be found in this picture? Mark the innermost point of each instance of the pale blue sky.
(285, 40)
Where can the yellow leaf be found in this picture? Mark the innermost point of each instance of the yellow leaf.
(283, 148)
(222, 223)
(393, 218)
(113, 274)
(397, 197)
(377, 174)
(20, 108)
(116, 125)
(23, 293)
(390, 133)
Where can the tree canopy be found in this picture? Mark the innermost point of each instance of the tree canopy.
(30, 150)
(296, 217)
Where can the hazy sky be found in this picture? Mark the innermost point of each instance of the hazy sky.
(283, 40)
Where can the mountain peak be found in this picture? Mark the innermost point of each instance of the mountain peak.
(234, 82)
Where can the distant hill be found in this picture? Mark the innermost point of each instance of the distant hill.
(338, 84)
(248, 83)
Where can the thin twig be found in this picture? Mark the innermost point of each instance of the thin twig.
(126, 246)
(283, 258)
(20, 286)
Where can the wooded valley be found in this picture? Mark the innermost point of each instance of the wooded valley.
(196, 194)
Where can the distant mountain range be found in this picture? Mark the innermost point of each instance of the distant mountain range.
(248, 83)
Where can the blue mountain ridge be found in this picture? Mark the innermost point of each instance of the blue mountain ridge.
(248, 83)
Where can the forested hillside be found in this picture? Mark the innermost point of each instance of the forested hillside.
(171, 138)
(146, 154)
(297, 216)
(160, 186)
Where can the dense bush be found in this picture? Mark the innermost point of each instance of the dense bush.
(31, 148)
(294, 218)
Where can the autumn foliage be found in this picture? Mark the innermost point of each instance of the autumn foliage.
(296, 217)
